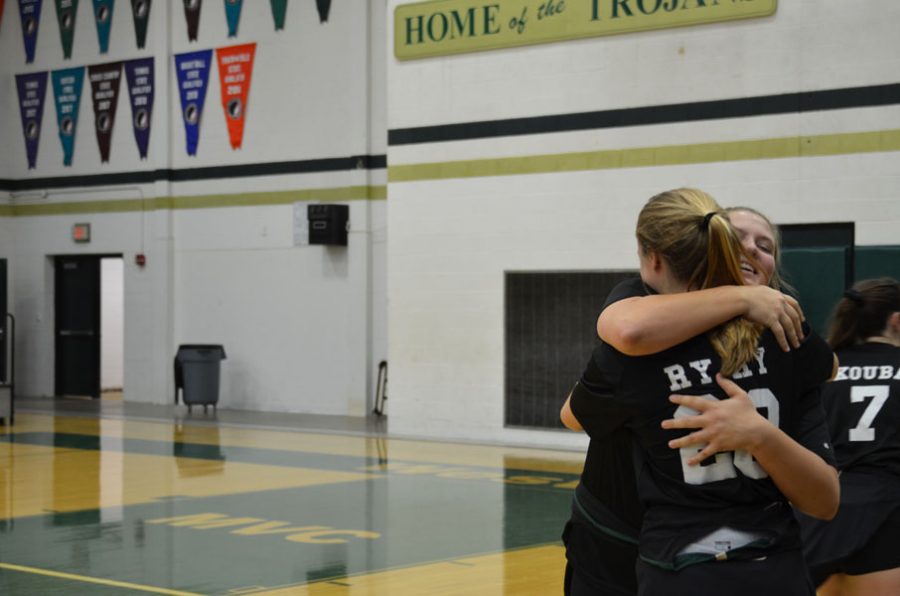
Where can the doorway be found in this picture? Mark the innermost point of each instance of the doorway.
(88, 307)
(112, 318)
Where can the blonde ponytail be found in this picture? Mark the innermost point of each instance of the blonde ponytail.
(689, 229)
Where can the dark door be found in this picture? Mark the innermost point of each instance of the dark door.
(78, 326)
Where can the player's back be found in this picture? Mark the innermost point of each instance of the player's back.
(685, 503)
(863, 408)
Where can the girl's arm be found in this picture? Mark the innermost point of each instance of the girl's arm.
(568, 418)
(643, 325)
(808, 481)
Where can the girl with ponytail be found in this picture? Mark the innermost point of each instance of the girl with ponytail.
(858, 549)
(715, 500)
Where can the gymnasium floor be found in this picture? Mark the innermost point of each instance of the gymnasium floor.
(100, 497)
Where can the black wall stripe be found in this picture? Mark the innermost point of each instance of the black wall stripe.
(356, 162)
(830, 99)
(809, 101)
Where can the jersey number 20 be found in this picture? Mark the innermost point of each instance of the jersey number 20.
(727, 463)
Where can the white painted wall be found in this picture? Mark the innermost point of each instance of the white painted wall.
(303, 326)
(452, 240)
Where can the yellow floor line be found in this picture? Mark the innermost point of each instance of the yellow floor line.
(94, 580)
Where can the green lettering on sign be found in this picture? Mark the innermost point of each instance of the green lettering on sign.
(443, 27)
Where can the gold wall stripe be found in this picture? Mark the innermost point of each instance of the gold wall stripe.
(286, 197)
(95, 580)
(667, 155)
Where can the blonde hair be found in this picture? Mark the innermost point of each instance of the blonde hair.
(689, 230)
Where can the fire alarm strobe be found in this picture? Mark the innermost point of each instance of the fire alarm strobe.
(81, 232)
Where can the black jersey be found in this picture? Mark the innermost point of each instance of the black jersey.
(608, 473)
(863, 408)
(685, 503)
(601, 536)
(862, 404)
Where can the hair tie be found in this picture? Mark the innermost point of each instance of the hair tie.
(854, 295)
(706, 218)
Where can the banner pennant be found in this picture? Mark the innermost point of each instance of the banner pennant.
(66, 11)
(139, 75)
(324, 7)
(233, 16)
(67, 84)
(192, 15)
(32, 89)
(235, 70)
(140, 13)
(30, 14)
(192, 70)
(103, 10)
(105, 79)
(279, 8)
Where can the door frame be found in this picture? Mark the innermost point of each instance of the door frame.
(54, 262)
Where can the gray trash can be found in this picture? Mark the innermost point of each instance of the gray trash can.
(197, 368)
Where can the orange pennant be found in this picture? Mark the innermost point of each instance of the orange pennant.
(235, 69)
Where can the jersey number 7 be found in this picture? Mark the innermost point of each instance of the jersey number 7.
(863, 430)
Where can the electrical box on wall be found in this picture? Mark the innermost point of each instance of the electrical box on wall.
(328, 224)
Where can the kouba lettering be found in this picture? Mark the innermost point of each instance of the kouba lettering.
(452, 24)
(867, 373)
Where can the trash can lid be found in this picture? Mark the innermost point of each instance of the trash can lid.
(204, 350)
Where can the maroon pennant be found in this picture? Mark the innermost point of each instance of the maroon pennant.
(192, 15)
(105, 80)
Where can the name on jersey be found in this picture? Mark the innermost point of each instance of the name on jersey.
(680, 376)
(868, 373)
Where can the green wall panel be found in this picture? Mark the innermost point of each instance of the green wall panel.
(818, 275)
(877, 261)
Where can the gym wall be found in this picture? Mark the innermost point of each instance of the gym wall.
(303, 326)
(538, 158)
